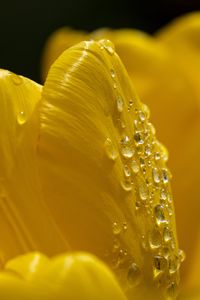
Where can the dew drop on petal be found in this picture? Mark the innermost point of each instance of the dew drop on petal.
(21, 118)
(155, 239)
(134, 166)
(108, 46)
(134, 275)
(120, 103)
(111, 151)
(181, 255)
(138, 138)
(116, 228)
(159, 214)
(16, 79)
(112, 72)
(156, 176)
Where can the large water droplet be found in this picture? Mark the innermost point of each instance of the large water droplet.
(127, 171)
(134, 275)
(143, 191)
(181, 255)
(165, 176)
(159, 214)
(127, 185)
(171, 291)
(21, 118)
(141, 116)
(108, 46)
(155, 174)
(111, 151)
(134, 166)
(120, 103)
(167, 235)
(127, 151)
(159, 265)
(155, 239)
(138, 138)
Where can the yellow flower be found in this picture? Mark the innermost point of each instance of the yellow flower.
(165, 71)
(82, 170)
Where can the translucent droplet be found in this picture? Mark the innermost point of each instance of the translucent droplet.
(130, 103)
(134, 275)
(112, 73)
(155, 174)
(21, 118)
(173, 264)
(142, 162)
(127, 171)
(127, 185)
(141, 116)
(147, 150)
(181, 255)
(138, 138)
(146, 111)
(127, 150)
(159, 265)
(120, 103)
(171, 291)
(134, 166)
(151, 128)
(159, 214)
(16, 79)
(111, 151)
(108, 46)
(167, 235)
(165, 176)
(155, 239)
(116, 228)
(157, 156)
(114, 85)
(143, 191)
(163, 195)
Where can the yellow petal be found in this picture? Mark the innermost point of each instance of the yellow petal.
(103, 172)
(190, 295)
(25, 223)
(68, 276)
(60, 40)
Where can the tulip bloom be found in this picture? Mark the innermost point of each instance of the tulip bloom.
(165, 71)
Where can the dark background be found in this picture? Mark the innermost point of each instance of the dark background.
(25, 25)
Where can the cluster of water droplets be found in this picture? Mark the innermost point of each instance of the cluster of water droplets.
(144, 172)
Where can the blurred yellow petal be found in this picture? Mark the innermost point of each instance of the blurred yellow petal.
(25, 223)
(69, 276)
(102, 171)
(60, 40)
(182, 38)
(190, 295)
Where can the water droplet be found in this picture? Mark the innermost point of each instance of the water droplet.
(143, 191)
(163, 195)
(181, 255)
(147, 150)
(171, 291)
(130, 103)
(120, 103)
(16, 79)
(21, 118)
(127, 150)
(127, 185)
(108, 46)
(159, 265)
(141, 116)
(165, 176)
(157, 156)
(134, 275)
(116, 228)
(127, 171)
(173, 264)
(111, 151)
(159, 214)
(156, 176)
(114, 85)
(151, 128)
(155, 239)
(138, 138)
(142, 162)
(112, 73)
(134, 166)
(146, 111)
(167, 235)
